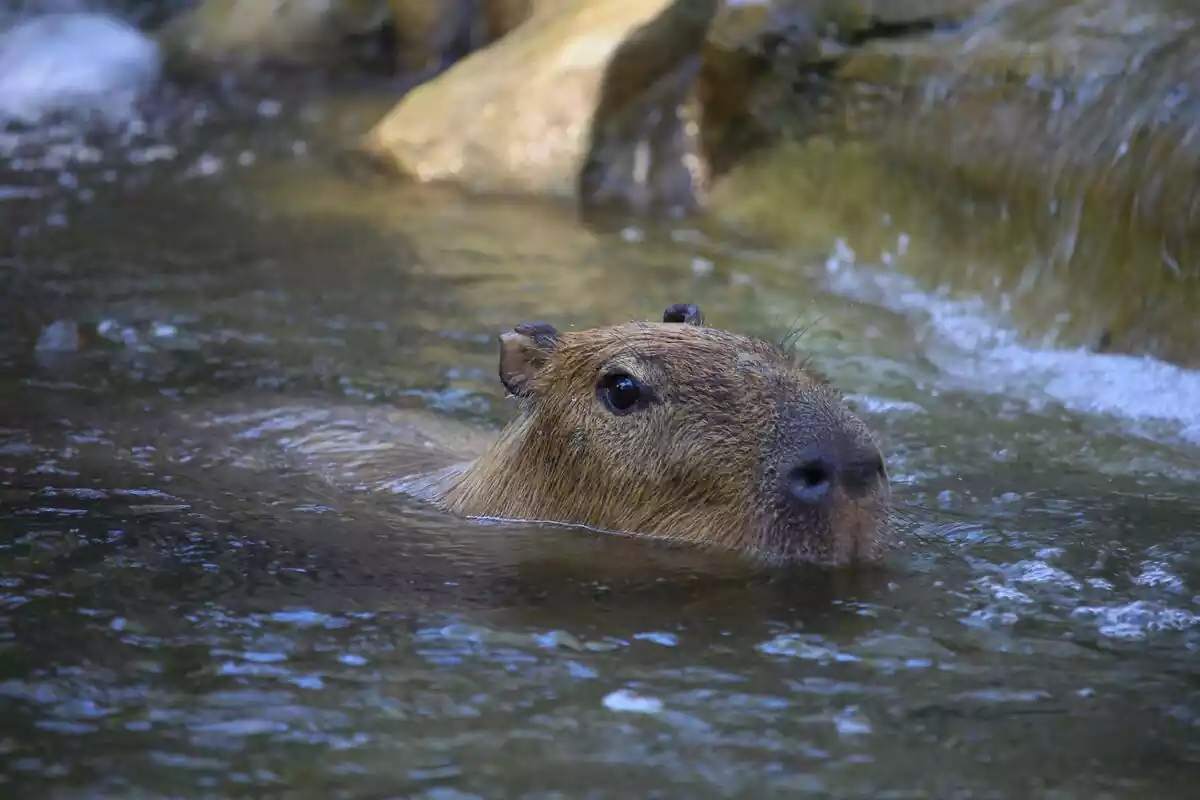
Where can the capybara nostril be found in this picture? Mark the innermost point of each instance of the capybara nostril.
(811, 481)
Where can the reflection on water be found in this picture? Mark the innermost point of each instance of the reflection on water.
(187, 610)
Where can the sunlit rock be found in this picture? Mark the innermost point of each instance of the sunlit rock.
(617, 102)
(583, 99)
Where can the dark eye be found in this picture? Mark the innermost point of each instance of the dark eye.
(620, 392)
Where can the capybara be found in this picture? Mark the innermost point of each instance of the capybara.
(677, 430)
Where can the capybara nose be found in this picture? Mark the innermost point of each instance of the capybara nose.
(855, 471)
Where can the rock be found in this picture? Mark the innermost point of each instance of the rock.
(502, 16)
(426, 37)
(844, 20)
(763, 54)
(429, 37)
(1039, 152)
(1079, 118)
(582, 100)
(74, 62)
(249, 32)
(1075, 102)
(627, 124)
(744, 41)
(1066, 278)
(859, 19)
(428, 34)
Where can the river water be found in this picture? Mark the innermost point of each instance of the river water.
(196, 603)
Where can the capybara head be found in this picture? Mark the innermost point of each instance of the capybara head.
(679, 430)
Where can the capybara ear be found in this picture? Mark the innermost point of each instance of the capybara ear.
(523, 351)
(687, 313)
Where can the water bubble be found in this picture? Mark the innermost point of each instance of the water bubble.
(624, 700)
(205, 166)
(59, 336)
(665, 639)
(852, 722)
(1154, 574)
(1138, 619)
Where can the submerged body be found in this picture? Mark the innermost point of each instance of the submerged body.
(676, 430)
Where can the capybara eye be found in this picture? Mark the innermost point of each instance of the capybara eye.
(620, 392)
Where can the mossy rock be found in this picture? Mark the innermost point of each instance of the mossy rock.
(245, 33)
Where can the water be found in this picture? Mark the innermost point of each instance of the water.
(190, 610)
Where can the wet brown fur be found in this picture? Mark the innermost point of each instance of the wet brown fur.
(703, 461)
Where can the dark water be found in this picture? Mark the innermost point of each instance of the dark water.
(196, 601)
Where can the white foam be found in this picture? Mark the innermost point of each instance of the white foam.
(627, 701)
(974, 345)
(74, 61)
(1137, 620)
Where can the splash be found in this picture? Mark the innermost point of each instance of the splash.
(971, 344)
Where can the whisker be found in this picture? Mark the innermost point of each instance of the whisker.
(796, 332)
(629, 345)
(788, 346)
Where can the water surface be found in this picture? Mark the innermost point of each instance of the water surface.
(193, 604)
